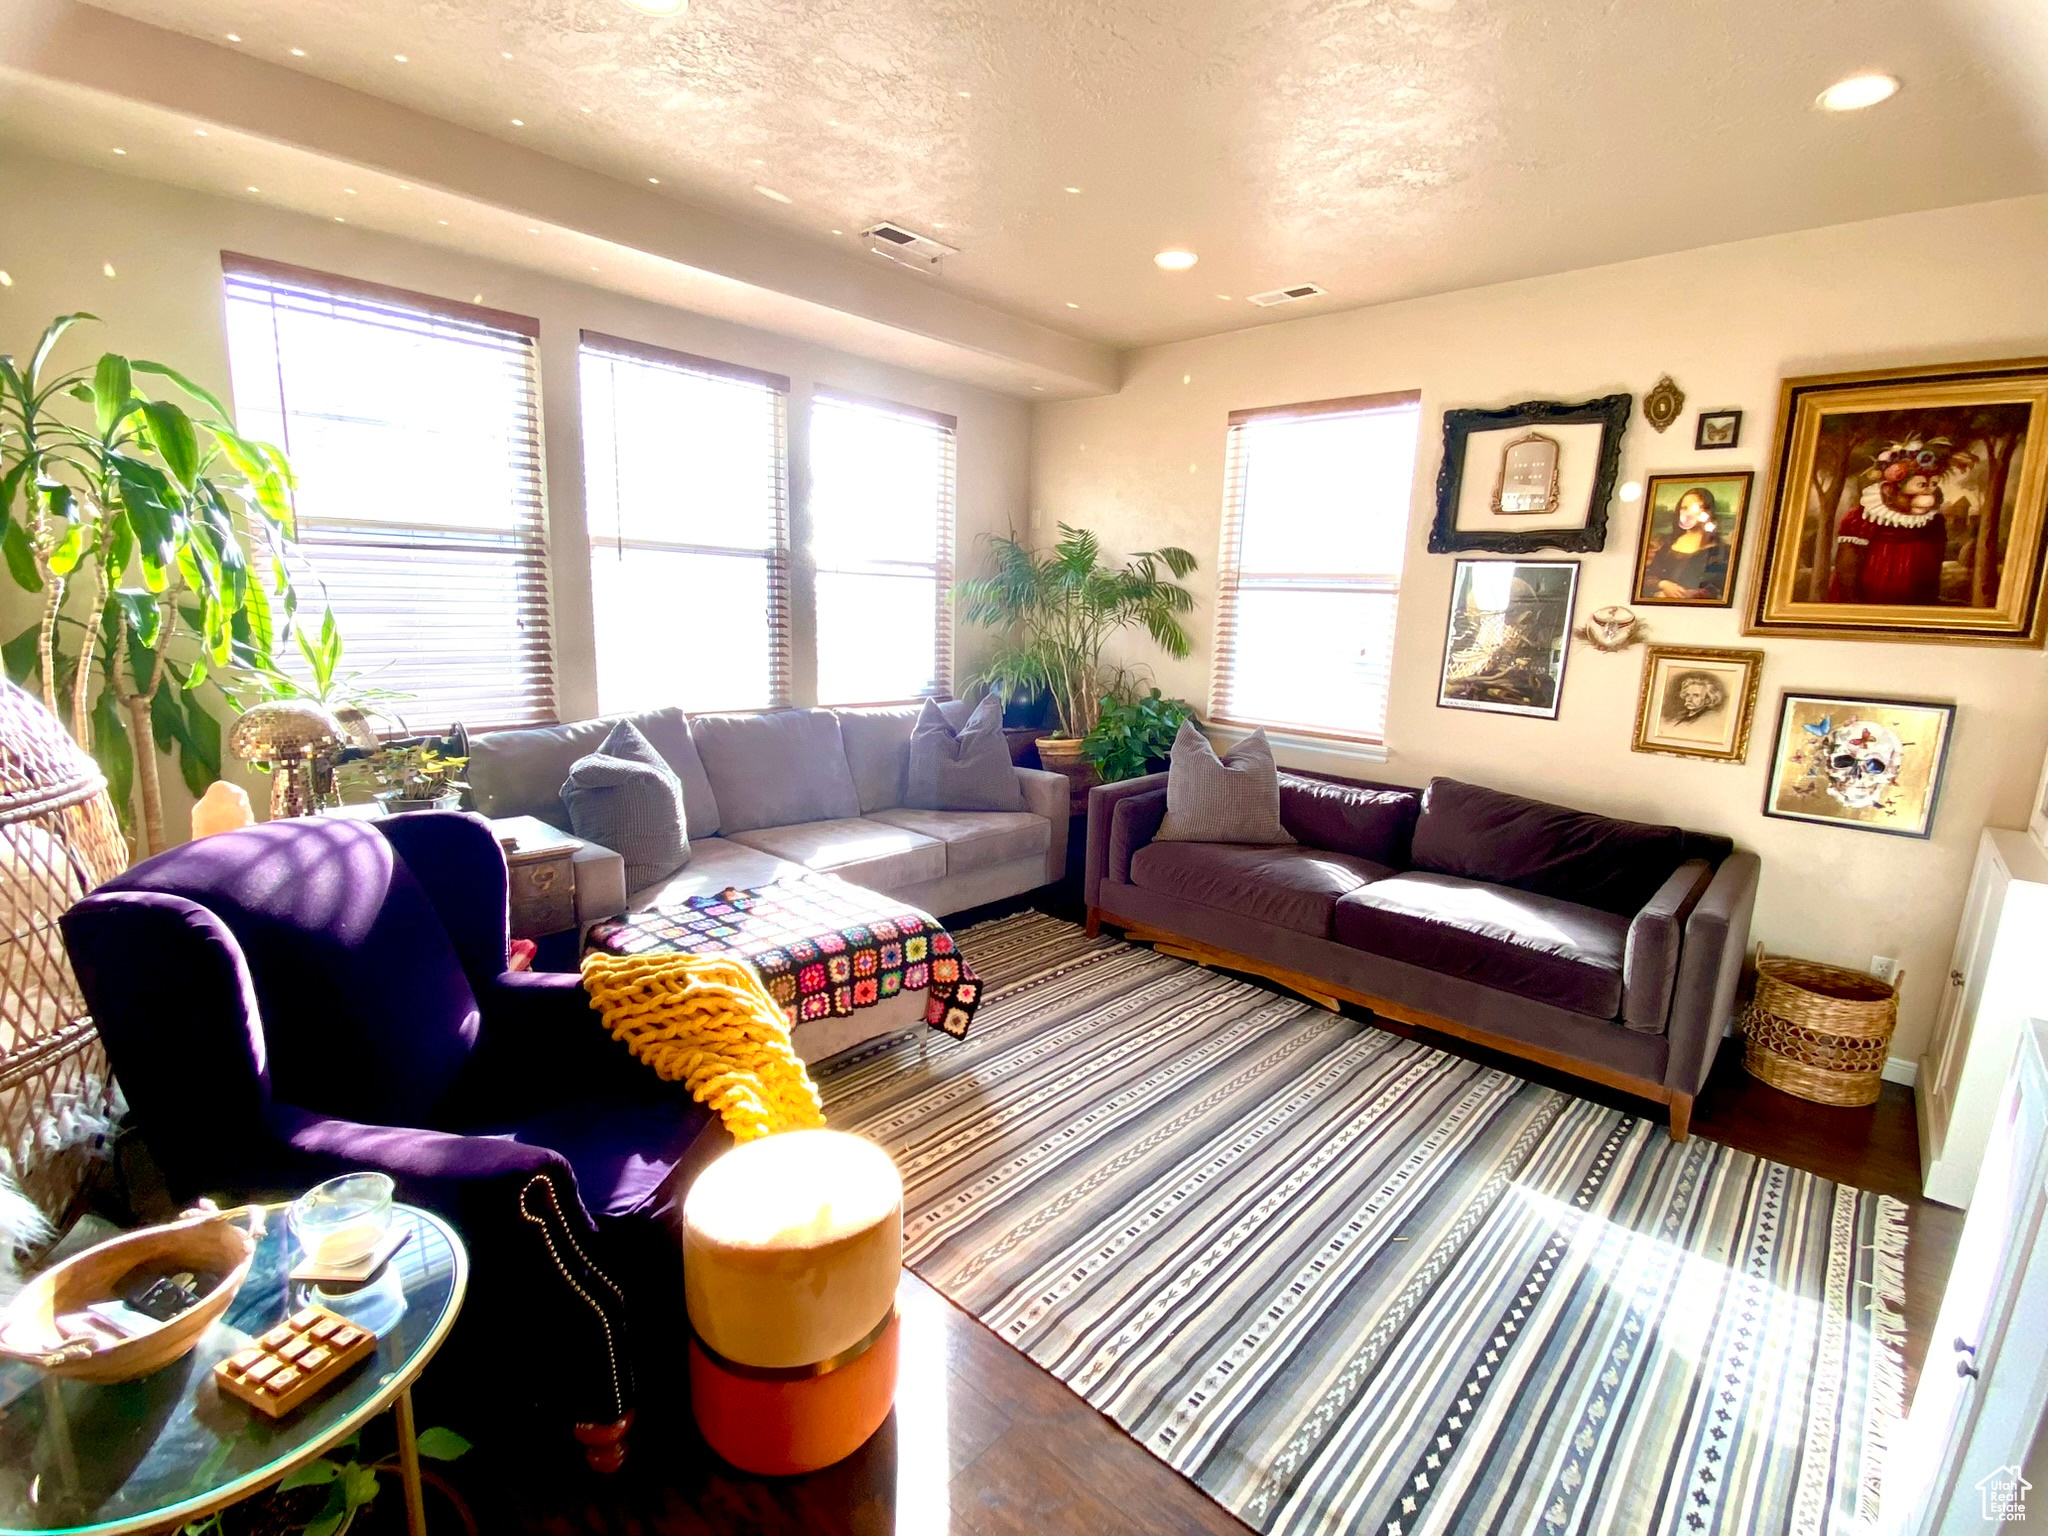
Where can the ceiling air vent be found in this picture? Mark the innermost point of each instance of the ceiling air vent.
(906, 246)
(1288, 295)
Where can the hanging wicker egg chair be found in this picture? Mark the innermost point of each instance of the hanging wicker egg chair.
(58, 839)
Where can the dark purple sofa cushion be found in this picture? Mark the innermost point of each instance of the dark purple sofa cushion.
(345, 949)
(1533, 946)
(1593, 861)
(1289, 887)
(1373, 821)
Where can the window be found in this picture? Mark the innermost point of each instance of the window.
(414, 427)
(1315, 520)
(881, 505)
(685, 484)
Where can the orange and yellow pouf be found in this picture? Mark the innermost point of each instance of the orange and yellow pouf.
(792, 1248)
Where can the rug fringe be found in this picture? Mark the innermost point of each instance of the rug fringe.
(1887, 1400)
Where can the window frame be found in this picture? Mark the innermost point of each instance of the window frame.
(1230, 575)
(942, 567)
(529, 535)
(776, 556)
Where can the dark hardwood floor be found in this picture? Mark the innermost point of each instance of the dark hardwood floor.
(984, 1443)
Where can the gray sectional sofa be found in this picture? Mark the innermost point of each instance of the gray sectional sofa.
(774, 794)
(1610, 949)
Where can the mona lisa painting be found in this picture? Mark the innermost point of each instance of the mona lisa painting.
(1692, 534)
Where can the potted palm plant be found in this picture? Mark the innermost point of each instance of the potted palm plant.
(1057, 611)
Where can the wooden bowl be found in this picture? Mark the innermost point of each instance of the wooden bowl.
(200, 1240)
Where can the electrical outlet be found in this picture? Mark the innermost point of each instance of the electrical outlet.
(1884, 967)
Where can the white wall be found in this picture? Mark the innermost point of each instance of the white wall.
(1145, 468)
(63, 223)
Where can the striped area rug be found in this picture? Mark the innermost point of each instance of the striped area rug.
(1347, 1282)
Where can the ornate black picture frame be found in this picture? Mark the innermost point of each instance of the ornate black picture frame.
(1611, 412)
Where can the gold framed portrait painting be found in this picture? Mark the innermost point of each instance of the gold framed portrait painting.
(1692, 539)
(1872, 764)
(1697, 703)
(1909, 504)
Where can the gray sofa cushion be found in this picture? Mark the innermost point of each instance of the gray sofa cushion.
(877, 745)
(1532, 946)
(625, 797)
(520, 773)
(776, 769)
(976, 839)
(870, 853)
(1295, 888)
(1232, 799)
(964, 770)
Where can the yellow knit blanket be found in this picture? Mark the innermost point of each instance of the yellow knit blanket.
(707, 1022)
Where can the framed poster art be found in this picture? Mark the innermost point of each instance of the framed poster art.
(1691, 541)
(1508, 632)
(1872, 764)
(1697, 703)
(1534, 476)
(1908, 504)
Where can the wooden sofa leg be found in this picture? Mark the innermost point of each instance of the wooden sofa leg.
(604, 1445)
(1093, 927)
(1681, 1115)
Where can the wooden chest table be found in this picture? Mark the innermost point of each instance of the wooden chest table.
(543, 877)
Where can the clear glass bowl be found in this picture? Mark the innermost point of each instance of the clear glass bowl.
(341, 1221)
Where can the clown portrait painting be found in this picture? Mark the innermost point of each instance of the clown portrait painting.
(1910, 505)
(1873, 764)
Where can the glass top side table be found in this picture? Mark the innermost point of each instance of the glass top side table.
(147, 1455)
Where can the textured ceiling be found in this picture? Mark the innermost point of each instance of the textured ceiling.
(1383, 148)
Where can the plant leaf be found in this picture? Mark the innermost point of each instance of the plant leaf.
(51, 336)
(441, 1444)
(362, 1486)
(21, 559)
(113, 392)
(206, 397)
(114, 752)
(21, 655)
(311, 1475)
(176, 441)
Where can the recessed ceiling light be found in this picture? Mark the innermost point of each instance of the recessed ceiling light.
(108, 268)
(477, 298)
(1175, 261)
(654, 181)
(253, 189)
(351, 191)
(531, 230)
(6, 279)
(965, 95)
(298, 53)
(234, 37)
(1075, 190)
(400, 58)
(120, 151)
(838, 231)
(1224, 297)
(518, 122)
(339, 219)
(772, 195)
(405, 186)
(198, 133)
(1072, 305)
(1857, 92)
(1038, 389)
(659, 7)
(504, 55)
(442, 222)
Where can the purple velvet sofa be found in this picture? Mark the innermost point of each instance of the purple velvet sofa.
(307, 998)
(1610, 949)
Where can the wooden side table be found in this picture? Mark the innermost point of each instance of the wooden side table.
(541, 862)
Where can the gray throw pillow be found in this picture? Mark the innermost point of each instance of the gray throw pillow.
(1232, 799)
(968, 770)
(626, 797)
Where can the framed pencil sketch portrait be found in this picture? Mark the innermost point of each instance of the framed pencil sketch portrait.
(1692, 539)
(1698, 703)
(1909, 504)
(1509, 629)
(1534, 476)
(1872, 764)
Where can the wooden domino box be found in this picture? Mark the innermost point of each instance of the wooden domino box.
(304, 1354)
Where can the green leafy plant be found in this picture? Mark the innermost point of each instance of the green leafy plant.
(1058, 610)
(352, 1484)
(1132, 734)
(417, 770)
(326, 681)
(140, 522)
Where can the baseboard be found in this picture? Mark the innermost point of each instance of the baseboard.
(1899, 1070)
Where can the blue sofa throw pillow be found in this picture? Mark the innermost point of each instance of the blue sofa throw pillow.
(626, 797)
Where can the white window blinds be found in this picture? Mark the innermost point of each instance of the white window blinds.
(1315, 522)
(413, 425)
(686, 487)
(881, 506)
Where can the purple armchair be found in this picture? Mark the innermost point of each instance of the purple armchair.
(306, 998)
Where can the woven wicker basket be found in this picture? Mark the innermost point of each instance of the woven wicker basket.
(1821, 1032)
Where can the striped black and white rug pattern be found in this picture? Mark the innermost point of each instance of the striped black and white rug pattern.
(1349, 1283)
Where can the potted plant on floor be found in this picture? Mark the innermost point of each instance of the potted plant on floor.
(1057, 611)
(1134, 734)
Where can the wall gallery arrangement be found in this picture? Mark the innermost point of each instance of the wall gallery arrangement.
(1905, 504)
